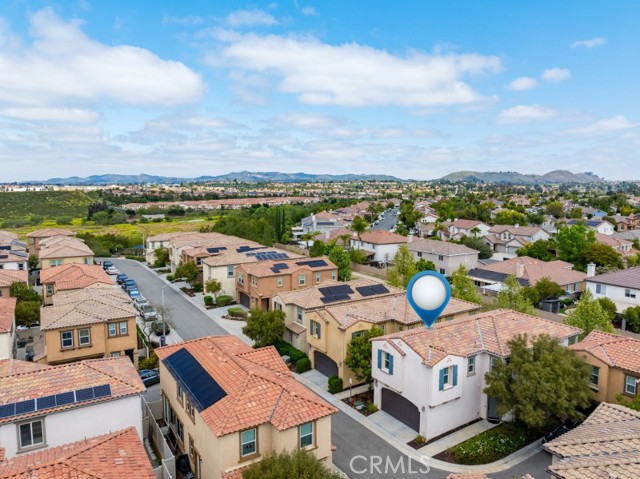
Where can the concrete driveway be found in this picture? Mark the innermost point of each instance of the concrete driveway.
(317, 378)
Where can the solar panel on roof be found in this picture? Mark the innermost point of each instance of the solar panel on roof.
(65, 398)
(5, 247)
(201, 388)
(84, 394)
(7, 410)
(365, 291)
(102, 391)
(46, 402)
(342, 297)
(379, 289)
(24, 407)
(328, 299)
(21, 254)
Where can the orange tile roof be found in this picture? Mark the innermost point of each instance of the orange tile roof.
(260, 388)
(616, 351)
(7, 314)
(485, 332)
(9, 367)
(8, 236)
(559, 272)
(381, 237)
(464, 224)
(445, 248)
(115, 455)
(49, 232)
(9, 276)
(235, 473)
(74, 276)
(119, 373)
(233, 258)
(263, 268)
(86, 306)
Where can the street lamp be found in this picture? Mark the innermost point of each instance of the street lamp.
(163, 338)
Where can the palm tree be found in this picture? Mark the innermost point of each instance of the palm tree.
(475, 230)
(309, 236)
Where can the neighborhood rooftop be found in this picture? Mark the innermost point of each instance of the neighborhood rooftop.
(74, 276)
(617, 351)
(626, 278)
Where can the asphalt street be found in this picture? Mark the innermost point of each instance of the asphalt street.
(188, 321)
(388, 222)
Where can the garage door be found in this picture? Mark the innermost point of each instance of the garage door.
(245, 300)
(324, 364)
(401, 408)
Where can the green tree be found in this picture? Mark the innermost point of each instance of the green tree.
(510, 217)
(479, 245)
(317, 248)
(264, 327)
(298, 464)
(572, 241)
(359, 225)
(541, 249)
(462, 286)
(32, 262)
(187, 271)
(555, 209)
(358, 256)
(309, 236)
(118, 217)
(64, 220)
(589, 315)
(542, 384)
(609, 307)
(513, 296)
(24, 292)
(424, 265)
(544, 289)
(27, 312)
(162, 257)
(602, 255)
(403, 269)
(359, 354)
(213, 286)
(101, 218)
(632, 316)
(408, 215)
(341, 259)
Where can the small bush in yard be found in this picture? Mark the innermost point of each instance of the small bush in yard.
(371, 408)
(170, 277)
(335, 384)
(224, 300)
(208, 300)
(197, 287)
(303, 365)
(237, 313)
(149, 363)
(286, 349)
(491, 445)
(420, 439)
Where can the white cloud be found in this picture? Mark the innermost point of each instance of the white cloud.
(523, 83)
(526, 113)
(250, 18)
(61, 65)
(594, 42)
(187, 20)
(556, 75)
(308, 11)
(606, 125)
(355, 75)
(73, 115)
(306, 121)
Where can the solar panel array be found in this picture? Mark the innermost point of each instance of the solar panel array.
(372, 290)
(268, 255)
(277, 267)
(5, 247)
(200, 387)
(216, 249)
(55, 400)
(316, 263)
(332, 294)
(245, 248)
(22, 254)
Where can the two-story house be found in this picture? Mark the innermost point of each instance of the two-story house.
(619, 245)
(380, 245)
(621, 287)
(257, 283)
(432, 379)
(447, 257)
(88, 323)
(59, 250)
(228, 405)
(7, 327)
(614, 362)
(71, 277)
(35, 238)
(331, 329)
(8, 277)
(598, 224)
(113, 455)
(460, 227)
(43, 407)
(507, 239)
(160, 241)
(215, 248)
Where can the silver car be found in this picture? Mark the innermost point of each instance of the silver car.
(148, 312)
(139, 302)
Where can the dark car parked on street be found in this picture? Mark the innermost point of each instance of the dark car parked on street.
(149, 376)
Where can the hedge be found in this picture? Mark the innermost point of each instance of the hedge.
(208, 300)
(303, 365)
(136, 258)
(286, 349)
(224, 300)
(335, 384)
(237, 312)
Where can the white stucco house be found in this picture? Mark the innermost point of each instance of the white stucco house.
(432, 380)
(380, 245)
(48, 406)
(621, 287)
(506, 239)
(446, 256)
(7, 327)
(597, 224)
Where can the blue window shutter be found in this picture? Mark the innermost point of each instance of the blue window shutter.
(441, 387)
(379, 358)
(390, 364)
(319, 329)
(455, 374)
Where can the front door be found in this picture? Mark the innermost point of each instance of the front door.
(492, 409)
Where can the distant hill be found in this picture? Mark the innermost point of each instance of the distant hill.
(553, 177)
(49, 204)
(241, 176)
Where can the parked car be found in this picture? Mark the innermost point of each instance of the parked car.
(129, 284)
(121, 278)
(160, 327)
(139, 302)
(112, 270)
(106, 265)
(148, 312)
(566, 426)
(134, 293)
(149, 376)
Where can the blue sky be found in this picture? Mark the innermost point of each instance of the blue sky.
(416, 89)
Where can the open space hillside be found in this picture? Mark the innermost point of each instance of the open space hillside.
(48, 204)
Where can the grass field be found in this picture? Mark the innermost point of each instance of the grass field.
(48, 204)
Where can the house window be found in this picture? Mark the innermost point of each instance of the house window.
(317, 277)
(254, 280)
(629, 293)
(240, 278)
(113, 329)
(601, 288)
(84, 337)
(229, 271)
(179, 392)
(248, 443)
(21, 266)
(279, 281)
(299, 313)
(305, 433)
(87, 261)
(190, 410)
(302, 279)
(334, 275)
(442, 271)
(118, 329)
(471, 366)
(357, 334)
(630, 385)
(448, 377)
(31, 434)
(595, 373)
(115, 354)
(49, 289)
(440, 257)
(573, 340)
(66, 339)
(419, 254)
(385, 362)
(314, 329)
(492, 362)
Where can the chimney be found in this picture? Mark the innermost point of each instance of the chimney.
(591, 270)
(410, 238)
(519, 270)
(516, 225)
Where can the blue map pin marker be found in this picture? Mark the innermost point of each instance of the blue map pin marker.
(428, 294)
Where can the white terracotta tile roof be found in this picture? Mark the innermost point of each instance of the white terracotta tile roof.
(485, 332)
(49, 232)
(64, 247)
(617, 351)
(445, 248)
(7, 314)
(259, 387)
(516, 231)
(381, 237)
(606, 445)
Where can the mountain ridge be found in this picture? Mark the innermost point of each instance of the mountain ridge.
(513, 177)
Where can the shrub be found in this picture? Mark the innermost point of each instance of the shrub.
(224, 300)
(286, 349)
(303, 365)
(491, 445)
(170, 277)
(335, 384)
(135, 258)
(420, 439)
(197, 287)
(149, 363)
(237, 312)
(208, 300)
(371, 408)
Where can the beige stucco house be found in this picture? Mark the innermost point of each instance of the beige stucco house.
(60, 250)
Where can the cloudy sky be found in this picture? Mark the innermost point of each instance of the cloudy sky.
(416, 89)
